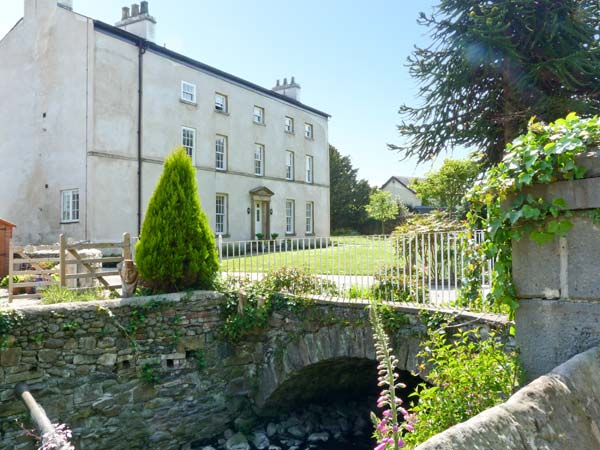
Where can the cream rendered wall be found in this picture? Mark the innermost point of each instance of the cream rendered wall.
(400, 192)
(114, 157)
(43, 72)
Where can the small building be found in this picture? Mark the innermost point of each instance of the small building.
(6, 231)
(400, 189)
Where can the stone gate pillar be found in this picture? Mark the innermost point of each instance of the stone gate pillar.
(558, 284)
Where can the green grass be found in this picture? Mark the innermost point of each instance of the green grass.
(352, 255)
(57, 294)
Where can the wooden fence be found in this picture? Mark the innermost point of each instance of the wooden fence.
(40, 271)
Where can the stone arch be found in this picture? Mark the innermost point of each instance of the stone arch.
(350, 346)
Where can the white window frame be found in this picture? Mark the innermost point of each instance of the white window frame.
(288, 124)
(289, 165)
(309, 169)
(310, 218)
(290, 216)
(221, 150)
(189, 147)
(259, 118)
(225, 105)
(259, 160)
(221, 212)
(190, 92)
(308, 130)
(69, 206)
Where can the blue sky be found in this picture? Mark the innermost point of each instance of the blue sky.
(348, 55)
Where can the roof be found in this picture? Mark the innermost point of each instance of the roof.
(404, 181)
(7, 223)
(151, 46)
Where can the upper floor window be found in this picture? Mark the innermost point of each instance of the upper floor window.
(259, 160)
(69, 205)
(289, 165)
(188, 140)
(308, 130)
(310, 212)
(309, 169)
(221, 214)
(188, 92)
(221, 153)
(289, 125)
(221, 102)
(259, 115)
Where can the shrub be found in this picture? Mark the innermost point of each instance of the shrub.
(296, 281)
(177, 249)
(468, 374)
(395, 285)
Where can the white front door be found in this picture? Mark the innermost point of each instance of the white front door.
(258, 218)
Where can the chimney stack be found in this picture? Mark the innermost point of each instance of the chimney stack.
(291, 89)
(140, 22)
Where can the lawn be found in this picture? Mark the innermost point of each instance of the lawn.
(353, 255)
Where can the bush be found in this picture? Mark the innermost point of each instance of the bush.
(177, 249)
(296, 281)
(468, 372)
(393, 285)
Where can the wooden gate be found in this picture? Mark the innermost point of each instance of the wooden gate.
(41, 271)
(6, 230)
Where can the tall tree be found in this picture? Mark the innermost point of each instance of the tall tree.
(349, 195)
(447, 187)
(493, 65)
(176, 250)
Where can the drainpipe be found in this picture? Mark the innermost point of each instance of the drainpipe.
(39, 417)
(141, 50)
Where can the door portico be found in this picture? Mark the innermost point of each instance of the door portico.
(260, 207)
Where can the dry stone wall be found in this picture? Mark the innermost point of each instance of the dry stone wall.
(133, 374)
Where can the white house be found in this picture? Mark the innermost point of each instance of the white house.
(400, 189)
(89, 111)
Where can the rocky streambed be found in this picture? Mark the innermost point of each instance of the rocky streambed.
(317, 427)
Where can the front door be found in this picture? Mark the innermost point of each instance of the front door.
(258, 218)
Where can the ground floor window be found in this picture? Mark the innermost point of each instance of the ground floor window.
(69, 207)
(221, 214)
(310, 209)
(289, 216)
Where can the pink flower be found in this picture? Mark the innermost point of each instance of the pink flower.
(381, 446)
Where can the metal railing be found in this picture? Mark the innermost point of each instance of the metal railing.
(415, 267)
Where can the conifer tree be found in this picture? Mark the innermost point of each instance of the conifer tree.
(492, 65)
(176, 250)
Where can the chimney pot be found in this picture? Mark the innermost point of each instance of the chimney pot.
(125, 13)
(135, 10)
(292, 82)
(144, 8)
(285, 81)
(278, 82)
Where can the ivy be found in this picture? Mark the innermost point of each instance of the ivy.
(503, 202)
(9, 319)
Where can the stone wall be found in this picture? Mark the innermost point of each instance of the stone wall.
(557, 411)
(154, 373)
(90, 365)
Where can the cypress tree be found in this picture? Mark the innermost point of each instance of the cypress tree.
(176, 250)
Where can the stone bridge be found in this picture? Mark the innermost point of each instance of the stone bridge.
(154, 373)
